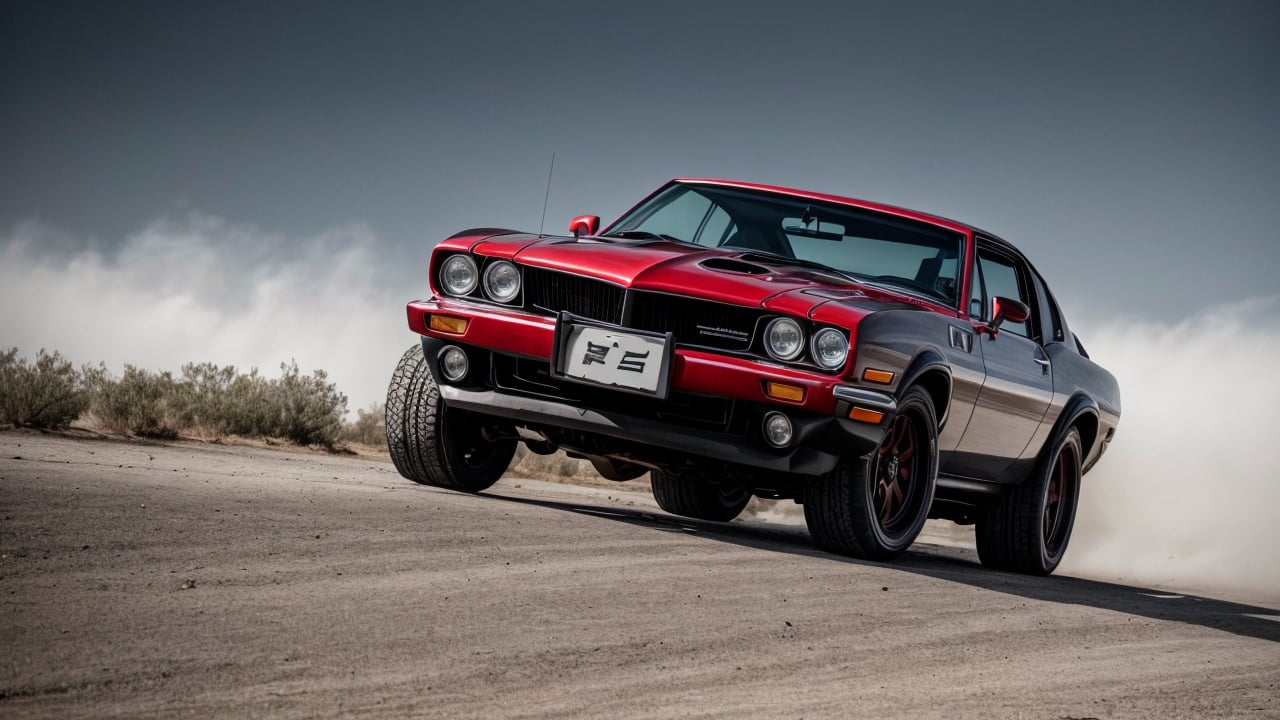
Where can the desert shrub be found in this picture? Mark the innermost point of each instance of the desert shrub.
(309, 407)
(248, 407)
(206, 390)
(141, 403)
(369, 428)
(47, 394)
(305, 409)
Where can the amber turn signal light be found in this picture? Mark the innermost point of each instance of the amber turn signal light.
(883, 377)
(782, 391)
(446, 324)
(865, 415)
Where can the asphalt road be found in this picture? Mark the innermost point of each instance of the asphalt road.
(193, 580)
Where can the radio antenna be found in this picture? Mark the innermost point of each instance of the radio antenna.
(547, 197)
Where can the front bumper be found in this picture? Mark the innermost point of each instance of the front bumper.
(819, 444)
(823, 434)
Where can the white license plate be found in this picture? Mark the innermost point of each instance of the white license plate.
(615, 358)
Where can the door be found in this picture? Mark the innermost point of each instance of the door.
(1019, 378)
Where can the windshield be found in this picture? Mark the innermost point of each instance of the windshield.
(867, 245)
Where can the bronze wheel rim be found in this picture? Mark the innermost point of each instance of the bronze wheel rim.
(897, 476)
(1059, 502)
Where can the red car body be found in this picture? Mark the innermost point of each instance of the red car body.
(939, 335)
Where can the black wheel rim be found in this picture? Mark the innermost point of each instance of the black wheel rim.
(1059, 501)
(898, 471)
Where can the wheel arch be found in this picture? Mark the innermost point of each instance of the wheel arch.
(929, 370)
(1080, 412)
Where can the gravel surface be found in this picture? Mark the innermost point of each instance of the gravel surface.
(189, 580)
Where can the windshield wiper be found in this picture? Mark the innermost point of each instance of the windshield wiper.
(643, 235)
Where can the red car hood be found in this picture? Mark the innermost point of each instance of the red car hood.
(739, 277)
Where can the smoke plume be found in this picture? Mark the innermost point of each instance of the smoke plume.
(1187, 495)
(200, 289)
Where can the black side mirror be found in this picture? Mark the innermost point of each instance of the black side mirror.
(1003, 308)
(584, 225)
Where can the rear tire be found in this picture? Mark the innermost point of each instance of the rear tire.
(1026, 530)
(720, 502)
(432, 444)
(873, 507)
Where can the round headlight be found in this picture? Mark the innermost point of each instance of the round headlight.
(830, 348)
(458, 275)
(784, 339)
(502, 281)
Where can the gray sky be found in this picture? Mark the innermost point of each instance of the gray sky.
(1129, 148)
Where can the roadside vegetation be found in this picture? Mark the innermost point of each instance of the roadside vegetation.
(208, 402)
(203, 401)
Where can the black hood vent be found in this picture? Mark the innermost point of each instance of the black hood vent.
(735, 266)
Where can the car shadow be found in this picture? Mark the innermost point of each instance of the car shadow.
(958, 565)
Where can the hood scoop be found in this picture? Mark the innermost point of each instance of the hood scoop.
(762, 259)
(835, 294)
(734, 266)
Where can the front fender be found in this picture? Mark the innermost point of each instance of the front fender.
(930, 369)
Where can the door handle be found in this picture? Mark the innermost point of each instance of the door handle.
(1042, 362)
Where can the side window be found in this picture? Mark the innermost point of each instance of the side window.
(1050, 316)
(1000, 276)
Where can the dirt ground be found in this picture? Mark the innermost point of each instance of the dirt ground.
(190, 580)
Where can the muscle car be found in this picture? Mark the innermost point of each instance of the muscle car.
(877, 365)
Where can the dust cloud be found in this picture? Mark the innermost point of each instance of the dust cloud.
(1187, 496)
(199, 288)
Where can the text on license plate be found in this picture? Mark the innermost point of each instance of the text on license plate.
(610, 357)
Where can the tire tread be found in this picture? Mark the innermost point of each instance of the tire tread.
(1008, 534)
(698, 500)
(836, 507)
(416, 433)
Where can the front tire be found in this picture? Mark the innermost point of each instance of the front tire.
(720, 502)
(432, 444)
(1027, 529)
(874, 507)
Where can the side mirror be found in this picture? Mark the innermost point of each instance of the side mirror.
(1003, 308)
(584, 225)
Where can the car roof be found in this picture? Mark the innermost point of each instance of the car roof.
(853, 202)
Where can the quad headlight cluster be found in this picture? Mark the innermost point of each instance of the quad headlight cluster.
(501, 279)
(784, 340)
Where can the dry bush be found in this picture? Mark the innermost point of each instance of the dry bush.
(304, 409)
(369, 428)
(310, 408)
(206, 390)
(143, 403)
(47, 394)
(247, 407)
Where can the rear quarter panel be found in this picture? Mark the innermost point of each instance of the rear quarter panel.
(1078, 378)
